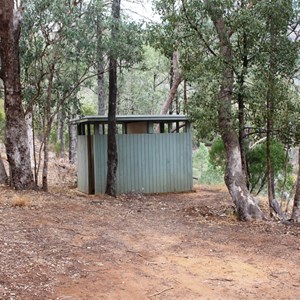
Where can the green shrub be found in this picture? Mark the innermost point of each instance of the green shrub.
(257, 164)
(217, 155)
(203, 170)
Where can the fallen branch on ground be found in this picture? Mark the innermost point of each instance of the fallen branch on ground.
(159, 293)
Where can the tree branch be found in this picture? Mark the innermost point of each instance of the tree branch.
(193, 26)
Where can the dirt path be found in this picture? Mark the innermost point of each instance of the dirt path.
(65, 245)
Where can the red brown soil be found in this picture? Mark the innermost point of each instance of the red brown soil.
(66, 245)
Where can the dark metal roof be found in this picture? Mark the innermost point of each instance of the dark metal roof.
(131, 118)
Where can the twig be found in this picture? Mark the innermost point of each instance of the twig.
(277, 274)
(131, 251)
(159, 293)
(220, 279)
(69, 229)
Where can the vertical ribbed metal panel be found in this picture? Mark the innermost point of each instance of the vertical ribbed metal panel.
(100, 163)
(148, 163)
(82, 168)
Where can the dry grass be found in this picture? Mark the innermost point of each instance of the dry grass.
(20, 201)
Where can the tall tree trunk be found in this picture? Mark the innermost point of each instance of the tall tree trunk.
(72, 143)
(283, 194)
(101, 89)
(185, 97)
(100, 75)
(270, 109)
(171, 74)
(112, 155)
(62, 134)
(47, 129)
(16, 141)
(57, 132)
(175, 84)
(241, 104)
(235, 180)
(34, 152)
(100, 71)
(296, 207)
(46, 163)
(72, 140)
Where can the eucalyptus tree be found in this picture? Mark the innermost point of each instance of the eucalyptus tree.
(234, 176)
(275, 64)
(112, 154)
(16, 141)
(56, 59)
(227, 43)
(296, 36)
(206, 35)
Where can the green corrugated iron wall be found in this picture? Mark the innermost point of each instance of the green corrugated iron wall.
(82, 165)
(148, 163)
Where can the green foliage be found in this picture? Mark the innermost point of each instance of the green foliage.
(143, 89)
(88, 108)
(54, 56)
(188, 26)
(203, 169)
(285, 183)
(217, 155)
(256, 158)
(257, 164)
(203, 110)
(128, 45)
(65, 38)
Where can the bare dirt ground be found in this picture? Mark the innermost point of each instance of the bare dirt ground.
(66, 245)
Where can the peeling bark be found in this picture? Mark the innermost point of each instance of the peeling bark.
(16, 142)
(246, 206)
(175, 84)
